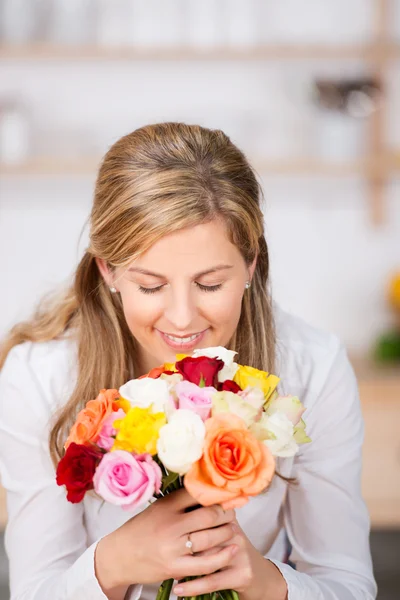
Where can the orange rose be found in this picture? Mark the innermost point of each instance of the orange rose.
(234, 465)
(154, 373)
(89, 421)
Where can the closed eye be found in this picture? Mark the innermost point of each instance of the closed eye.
(204, 288)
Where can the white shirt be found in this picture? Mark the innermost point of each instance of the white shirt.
(51, 542)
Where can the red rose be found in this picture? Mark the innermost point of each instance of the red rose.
(229, 386)
(76, 469)
(201, 369)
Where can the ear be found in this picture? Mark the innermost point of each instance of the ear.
(104, 271)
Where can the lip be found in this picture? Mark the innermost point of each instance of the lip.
(187, 346)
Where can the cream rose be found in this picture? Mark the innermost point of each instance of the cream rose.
(147, 391)
(277, 433)
(233, 403)
(181, 441)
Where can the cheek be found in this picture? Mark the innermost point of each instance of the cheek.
(140, 311)
(222, 309)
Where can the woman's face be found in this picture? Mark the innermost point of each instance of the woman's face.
(184, 293)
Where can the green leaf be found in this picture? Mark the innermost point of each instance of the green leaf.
(169, 481)
(202, 382)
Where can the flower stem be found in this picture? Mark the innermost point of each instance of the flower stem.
(164, 591)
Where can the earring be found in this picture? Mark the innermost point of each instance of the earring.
(113, 290)
(247, 285)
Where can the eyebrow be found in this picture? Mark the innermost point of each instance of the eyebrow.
(212, 270)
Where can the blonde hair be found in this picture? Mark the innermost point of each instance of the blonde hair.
(154, 181)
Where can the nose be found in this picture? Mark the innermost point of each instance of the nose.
(180, 310)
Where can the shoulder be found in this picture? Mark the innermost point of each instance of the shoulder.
(305, 354)
(39, 376)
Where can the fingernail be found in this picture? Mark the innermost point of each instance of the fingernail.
(178, 589)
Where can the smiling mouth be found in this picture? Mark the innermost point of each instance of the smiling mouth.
(182, 340)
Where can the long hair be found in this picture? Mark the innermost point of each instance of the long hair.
(158, 179)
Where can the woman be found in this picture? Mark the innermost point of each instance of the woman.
(177, 260)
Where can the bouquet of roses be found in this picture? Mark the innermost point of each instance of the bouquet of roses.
(203, 422)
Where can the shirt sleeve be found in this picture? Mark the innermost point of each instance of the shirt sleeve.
(45, 537)
(325, 517)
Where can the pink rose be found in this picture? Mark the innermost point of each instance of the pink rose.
(105, 439)
(127, 480)
(194, 398)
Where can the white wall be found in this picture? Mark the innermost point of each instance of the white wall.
(328, 263)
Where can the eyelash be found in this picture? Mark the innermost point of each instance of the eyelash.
(204, 288)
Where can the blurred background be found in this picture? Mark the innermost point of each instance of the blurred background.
(308, 89)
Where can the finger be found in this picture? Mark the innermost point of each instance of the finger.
(210, 538)
(223, 580)
(180, 499)
(203, 565)
(206, 518)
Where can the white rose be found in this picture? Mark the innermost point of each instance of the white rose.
(229, 369)
(181, 441)
(277, 433)
(146, 391)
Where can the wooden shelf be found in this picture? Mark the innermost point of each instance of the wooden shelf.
(295, 166)
(387, 51)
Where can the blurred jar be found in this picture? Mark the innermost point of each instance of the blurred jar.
(156, 23)
(339, 137)
(241, 23)
(73, 22)
(114, 22)
(17, 21)
(204, 23)
(14, 133)
(341, 123)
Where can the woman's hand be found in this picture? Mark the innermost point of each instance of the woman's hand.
(151, 546)
(247, 572)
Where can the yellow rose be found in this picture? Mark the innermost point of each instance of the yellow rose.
(246, 376)
(394, 291)
(124, 404)
(171, 366)
(139, 430)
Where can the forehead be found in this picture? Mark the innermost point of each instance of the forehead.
(193, 249)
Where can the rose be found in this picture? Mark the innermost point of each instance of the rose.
(89, 421)
(138, 431)
(126, 480)
(146, 392)
(153, 373)
(194, 398)
(108, 432)
(300, 435)
(229, 386)
(253, 396)
(229, 369)
(181, 441)
(277, 433)
(249, 376)
(227, 402)
(76, 470)
(289, 405)
(171, 378)
(234, 464)
(201, 371)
